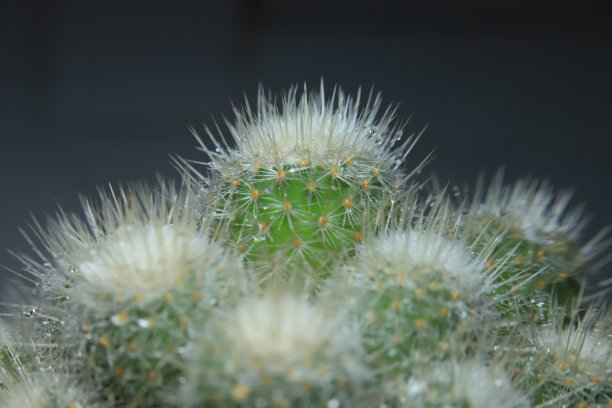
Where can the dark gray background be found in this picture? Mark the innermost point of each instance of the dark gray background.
(96, 92)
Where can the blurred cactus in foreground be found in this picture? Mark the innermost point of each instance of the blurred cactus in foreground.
(305, 266)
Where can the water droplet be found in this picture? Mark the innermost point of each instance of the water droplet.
(333, 403)
(29, 313)
(144, 323)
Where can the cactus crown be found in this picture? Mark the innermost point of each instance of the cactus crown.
(309, 127)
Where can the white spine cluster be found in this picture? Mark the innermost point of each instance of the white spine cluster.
(468, 383)
(141, 259)
(532, 208)
(411, 253)
(277, 344)
(312, 127)
(285, 331)
(310, 270)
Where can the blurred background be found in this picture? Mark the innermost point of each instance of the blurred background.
(93, 93)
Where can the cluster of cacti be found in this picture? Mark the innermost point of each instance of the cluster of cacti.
(304, 266)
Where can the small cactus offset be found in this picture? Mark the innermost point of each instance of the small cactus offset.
(306, 264)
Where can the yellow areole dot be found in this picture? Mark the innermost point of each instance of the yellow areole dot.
(255, 194)
(134, 346)
(311, 186)
(234, 183)
(241, 392)
(154, 376)
(264, 379)
(347, 203)
(374, 318)
(120, 319)
(334, 172)
(282, 403)
(357, 237)
(263, 226)
(349, 160)
(322, 221)
(281, 175)
(365, 186)
(105, 341)
(287, 207)
(396, 305)
(420, 324)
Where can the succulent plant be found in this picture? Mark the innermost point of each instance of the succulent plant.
(304, 266)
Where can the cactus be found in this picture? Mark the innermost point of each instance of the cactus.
(279, 350)
(570, 364)
(303, 186)
(538, 239)
(420, 288)
(305, 266)
(470, 383)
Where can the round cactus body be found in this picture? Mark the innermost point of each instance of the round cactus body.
(309, 215)
(536, 243)
(306, 182)
(279, 350)
(422, 293)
